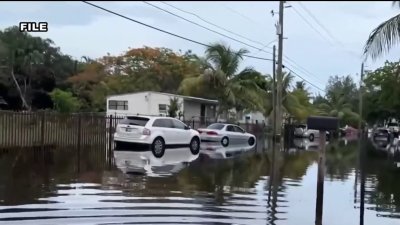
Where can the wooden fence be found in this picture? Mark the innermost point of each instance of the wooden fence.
(77, 131)
(44, 129)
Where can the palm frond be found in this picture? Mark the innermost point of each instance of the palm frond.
(324, 107)
(189, 85)
(382, 38)
(225, 58)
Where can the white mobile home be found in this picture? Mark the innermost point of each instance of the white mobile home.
(253, 117)
(157, 103)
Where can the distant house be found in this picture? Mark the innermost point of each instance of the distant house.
(253, 117)
(157, 103)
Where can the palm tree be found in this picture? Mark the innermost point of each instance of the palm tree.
(384, 37)
(293, 102)
(301, 85)
(222, 80)
(339, 107)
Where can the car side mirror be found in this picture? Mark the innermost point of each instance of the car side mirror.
(187, 128)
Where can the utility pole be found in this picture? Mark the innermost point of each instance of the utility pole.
(274, 92)
(360, 92)
(278, 105)
(361, 147)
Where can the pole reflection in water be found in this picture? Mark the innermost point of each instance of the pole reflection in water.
(273, 186)
(320, 180)
(362, 176)
(271, 175)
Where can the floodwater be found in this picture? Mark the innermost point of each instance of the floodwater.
(234, 185)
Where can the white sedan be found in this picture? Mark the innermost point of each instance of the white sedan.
(226, 134)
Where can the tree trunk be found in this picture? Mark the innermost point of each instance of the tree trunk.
(24, 104)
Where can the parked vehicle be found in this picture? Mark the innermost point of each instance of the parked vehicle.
(158, 132)
(226, 134)
(302, 131)
(381, 134)
(393, 127)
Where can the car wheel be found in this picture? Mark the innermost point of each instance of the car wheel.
(311, 137)
(251, 141)
(158, 147)
(225, 141)
(195, 145)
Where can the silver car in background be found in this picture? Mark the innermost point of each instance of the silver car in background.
(302, 131)
(226, 134)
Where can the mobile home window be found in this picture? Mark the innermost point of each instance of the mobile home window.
(162, 108)
(118, 105)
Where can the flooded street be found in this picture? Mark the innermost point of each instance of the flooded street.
(233, 185)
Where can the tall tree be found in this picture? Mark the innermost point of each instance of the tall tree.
(223, 81)
(337, 106)
(382, 97)
(295, 102)
(342, 85)
(30, 68)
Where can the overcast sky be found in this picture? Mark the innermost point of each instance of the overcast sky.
(82, 30)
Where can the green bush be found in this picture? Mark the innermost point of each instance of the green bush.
(64, 101)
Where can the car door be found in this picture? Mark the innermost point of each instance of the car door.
(166, 128)
(232, 134)
(181, 136)
(241, 134)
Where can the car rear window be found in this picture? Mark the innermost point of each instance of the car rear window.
(301, 126)
(134, 120)
(216, 126)
(383, 131)
(393, 124)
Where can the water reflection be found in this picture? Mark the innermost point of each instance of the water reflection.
(217, 151)
(306, 144)
(234, 185)
(144, 163)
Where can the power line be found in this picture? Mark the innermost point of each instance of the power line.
(184, 38)
(299, 67)
(259, 50)
(163, 31)
(291, 70)
(240, 14)
(213, 24)
(317, 21)
(329, 34)
(199, 25)
(311, 26)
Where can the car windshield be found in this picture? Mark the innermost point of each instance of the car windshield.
(134, 120)
(393, 124)
(216, 126)
(301, 126)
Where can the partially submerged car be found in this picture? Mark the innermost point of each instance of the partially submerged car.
(226, 134)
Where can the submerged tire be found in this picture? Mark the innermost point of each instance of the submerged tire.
(225, 141)
(195, 146)
(158, 147)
